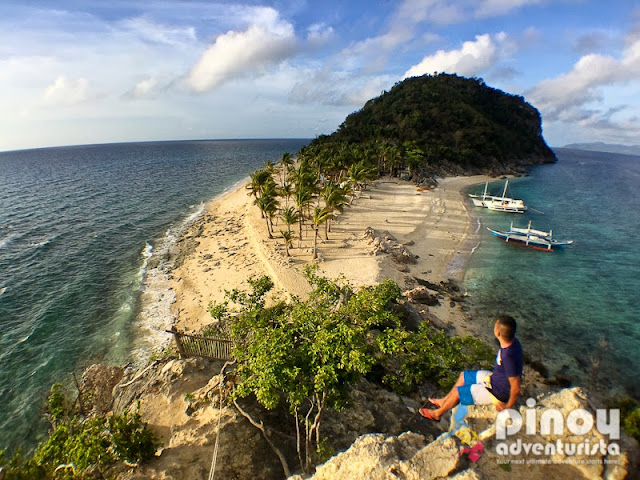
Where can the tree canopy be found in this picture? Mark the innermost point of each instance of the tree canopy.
(307, 354)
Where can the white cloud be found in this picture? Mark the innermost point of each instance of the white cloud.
(267, 42)
(443, 12)
(149, 30)
(411, 13)
(557, 97)
(328, 86)
(490, 8)
(473, 58)
(67, 92)
(371, 89)
(146, 88)
(319, 34)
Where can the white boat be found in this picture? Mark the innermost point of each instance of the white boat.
(498, 203)
(531, 238)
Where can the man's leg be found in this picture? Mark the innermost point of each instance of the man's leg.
(470, 383)
(452, 393)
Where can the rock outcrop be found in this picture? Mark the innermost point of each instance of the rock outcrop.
(181, 401)
(98, 382)
(410, 456)
(384, 242)
(407, 456)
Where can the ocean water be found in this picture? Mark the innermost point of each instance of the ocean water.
(578, 308)
(78, 226)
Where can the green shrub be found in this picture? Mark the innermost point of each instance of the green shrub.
(429, 354)
(56, 403)
(131, 439)
(631, 424)
(77, 444)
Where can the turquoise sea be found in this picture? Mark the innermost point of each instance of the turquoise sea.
(77, 228)
(578, 309)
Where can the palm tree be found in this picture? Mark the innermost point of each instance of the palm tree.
(303, 197)
(268, 205)
(335, 199)
(287, 236)
(286, 163)
(290, 216)
(320, 216)
(414, 156)
(259, 181)
(360, 175)
(269, 166)
(286, 191)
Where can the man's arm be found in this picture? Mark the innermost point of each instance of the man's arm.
(514, 382)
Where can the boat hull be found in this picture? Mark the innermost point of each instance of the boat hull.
(498, 203)
(529, 241)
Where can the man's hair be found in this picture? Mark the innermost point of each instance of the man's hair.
(507, 326)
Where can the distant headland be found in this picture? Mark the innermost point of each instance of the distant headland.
(606, 147)
(442, 125)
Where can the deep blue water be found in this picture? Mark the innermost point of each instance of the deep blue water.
(578, 308)
(76, 227)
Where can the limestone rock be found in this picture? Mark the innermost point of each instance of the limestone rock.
(98, 382)
(374, 457)
(421, 295)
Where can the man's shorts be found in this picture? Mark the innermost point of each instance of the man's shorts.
(474, 390)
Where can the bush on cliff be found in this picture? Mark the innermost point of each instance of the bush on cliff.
(78, 444)
(308, 354)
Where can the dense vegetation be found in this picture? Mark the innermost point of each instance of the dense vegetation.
(308, 354)
(440, 124)
(82, 446)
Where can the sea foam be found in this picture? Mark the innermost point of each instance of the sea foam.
(155, 316)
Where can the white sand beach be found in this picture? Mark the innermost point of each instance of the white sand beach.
(433, 225)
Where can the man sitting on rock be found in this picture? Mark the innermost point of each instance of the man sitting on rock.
(500, 386)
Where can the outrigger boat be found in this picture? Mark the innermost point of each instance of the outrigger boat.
(498, 203)
(531, 238)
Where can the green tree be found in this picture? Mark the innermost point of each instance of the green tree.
(290, 216)
(320, 216)
(259, 182)
(286, 163)
(303, 196)
(78, 444)
(287, 236)
(268, 205)
(306, 353)
(335, 199)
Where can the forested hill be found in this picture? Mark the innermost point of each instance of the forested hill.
(448, 124)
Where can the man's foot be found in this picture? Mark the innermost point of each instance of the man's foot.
(436, 401)
(429, 414)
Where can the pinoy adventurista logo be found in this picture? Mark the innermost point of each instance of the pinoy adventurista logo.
(551, 437)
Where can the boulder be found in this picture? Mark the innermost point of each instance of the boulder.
(374, 457)
(98, 382)
(421, 295)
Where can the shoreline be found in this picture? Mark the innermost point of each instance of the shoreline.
(157, 296)
(229, 243)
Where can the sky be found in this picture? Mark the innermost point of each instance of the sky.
(88, 71)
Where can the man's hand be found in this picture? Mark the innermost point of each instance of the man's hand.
(500, 406)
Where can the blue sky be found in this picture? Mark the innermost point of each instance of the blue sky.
(88, 71)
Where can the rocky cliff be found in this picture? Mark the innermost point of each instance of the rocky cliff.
(380, 437)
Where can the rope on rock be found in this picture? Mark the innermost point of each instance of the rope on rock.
(214, 458)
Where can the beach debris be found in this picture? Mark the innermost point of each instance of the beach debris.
(385, 242)
(449, 287)
(421, 295)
